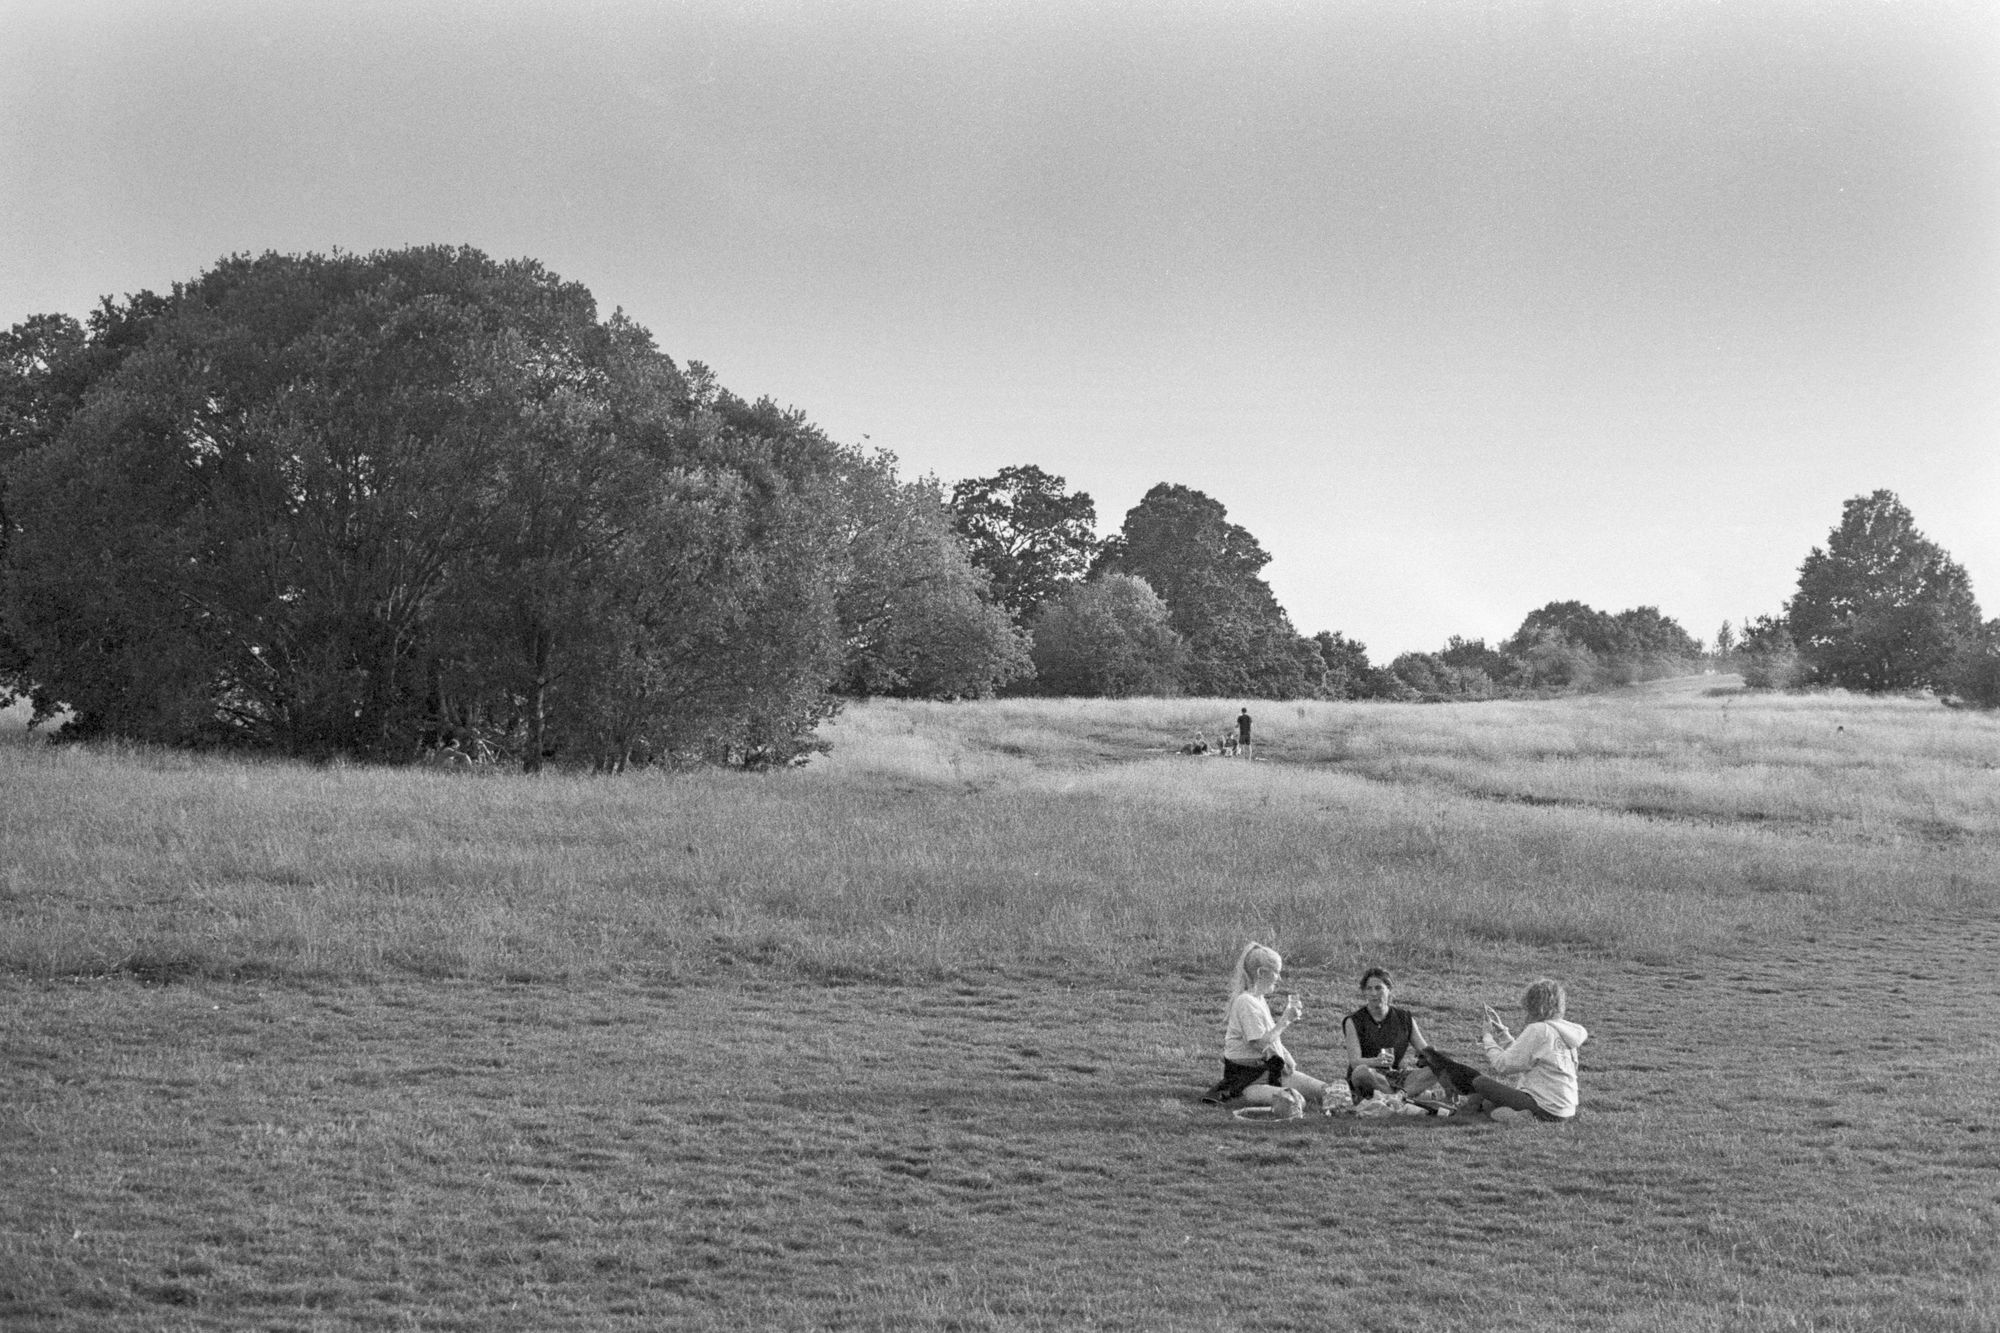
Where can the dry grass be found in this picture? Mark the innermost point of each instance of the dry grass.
(1028, 835)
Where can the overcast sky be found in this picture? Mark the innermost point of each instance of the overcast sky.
(1459, 307)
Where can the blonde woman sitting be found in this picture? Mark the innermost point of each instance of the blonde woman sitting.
(1255, 1063)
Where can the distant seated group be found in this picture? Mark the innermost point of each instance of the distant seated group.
(1531, 1076)
(1228, 743)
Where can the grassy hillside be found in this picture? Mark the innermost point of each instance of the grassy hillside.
(942, 839)
(911, 1039)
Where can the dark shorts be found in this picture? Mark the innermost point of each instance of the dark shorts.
(1238, 1078)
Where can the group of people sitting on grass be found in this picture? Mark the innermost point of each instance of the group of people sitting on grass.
(1228, 743)
(1529, 1076)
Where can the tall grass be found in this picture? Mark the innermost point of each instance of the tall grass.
(1019, 835)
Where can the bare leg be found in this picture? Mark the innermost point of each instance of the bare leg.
(1310, 1088)
(1370, 1080)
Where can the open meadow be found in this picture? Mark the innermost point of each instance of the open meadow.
(911, 1038)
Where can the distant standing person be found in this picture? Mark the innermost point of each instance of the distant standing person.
(1243, 731)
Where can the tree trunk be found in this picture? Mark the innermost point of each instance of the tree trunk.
(538, 698)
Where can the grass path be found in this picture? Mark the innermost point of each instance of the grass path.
(995, 1152)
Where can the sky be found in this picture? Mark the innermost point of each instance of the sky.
(1460, 308)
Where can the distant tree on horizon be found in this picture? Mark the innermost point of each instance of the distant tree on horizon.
(1206, 570)
(1346, 670)
(1576, 622)
(921, 622)
(1497, 667)
(1881, 606)
(1032, 536)
(1570, 645)
(1109, 636)
(1766, 656)
(1430, 677)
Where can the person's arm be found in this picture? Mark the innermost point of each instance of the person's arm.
(1518, 1055)
(1417, 1042)
(1353, 1042)
(1272, 1042)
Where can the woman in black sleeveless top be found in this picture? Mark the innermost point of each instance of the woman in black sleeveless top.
(1380, 1041)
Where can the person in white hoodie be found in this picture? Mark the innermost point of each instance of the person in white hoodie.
(1534, 1074)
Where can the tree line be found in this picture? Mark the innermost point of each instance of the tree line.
(357, 505)
(365, 505)
(1174, 603)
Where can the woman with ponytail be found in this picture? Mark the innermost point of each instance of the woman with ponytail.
(1255, 1063)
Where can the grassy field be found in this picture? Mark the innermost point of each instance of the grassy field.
(910, 1038)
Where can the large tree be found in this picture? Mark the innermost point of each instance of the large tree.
(915, 618)
(1881, 606)
(1111, 637)
(1031, 535)
(1571, 644)
(331, 505)
(918, 613)
(241, 528)
(1576, 622)
(46, 364)
(1345, 671)
(1205, 568)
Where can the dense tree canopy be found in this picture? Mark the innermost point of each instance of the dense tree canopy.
(1766, 656)
(1032, 536)
(1976, 673)
(1881, 606)
(1345, 672)
(1581, 625)
(354, 504)
(1570, 645)
(916, 610)
(1205, 568)
(46, 363)
(1110, 636)
(335, 505)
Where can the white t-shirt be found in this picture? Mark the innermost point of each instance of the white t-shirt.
(1249, 1019)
